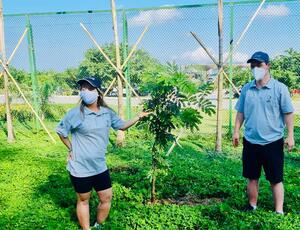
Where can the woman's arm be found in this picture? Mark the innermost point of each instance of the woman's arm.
(133, 121)
(68, 144)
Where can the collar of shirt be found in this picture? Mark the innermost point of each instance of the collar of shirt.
(269, 85)
(101, 111)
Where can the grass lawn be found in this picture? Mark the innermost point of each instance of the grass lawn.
(202, 190)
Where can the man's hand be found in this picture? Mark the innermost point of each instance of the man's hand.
(289, 143)
(236, 139)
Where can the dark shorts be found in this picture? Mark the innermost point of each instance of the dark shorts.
(86, 184)
(270, 157)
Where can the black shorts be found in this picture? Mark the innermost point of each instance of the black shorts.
(270, 157)
(86, 184)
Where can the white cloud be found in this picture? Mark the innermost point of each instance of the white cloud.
(154, 17)
(238, 57)
(197, 55)
(200, 56)
(275, 10)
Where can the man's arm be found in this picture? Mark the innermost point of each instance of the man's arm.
(289, 121)
(239, 120)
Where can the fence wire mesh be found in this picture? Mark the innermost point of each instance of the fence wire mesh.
(61, 46)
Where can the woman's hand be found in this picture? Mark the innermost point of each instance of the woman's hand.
(133, 121)
(70, 156)
(144, 114)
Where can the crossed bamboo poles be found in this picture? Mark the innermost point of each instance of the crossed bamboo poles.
(119, 70)
(221, 70)
(6, 69)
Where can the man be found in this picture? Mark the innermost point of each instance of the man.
(265, 106)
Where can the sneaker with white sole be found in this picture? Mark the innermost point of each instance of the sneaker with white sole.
(97, 226)
(249, 208)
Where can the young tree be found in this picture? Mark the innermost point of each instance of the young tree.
(176, 102)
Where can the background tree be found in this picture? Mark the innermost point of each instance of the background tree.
(94, 64)
(286, 68)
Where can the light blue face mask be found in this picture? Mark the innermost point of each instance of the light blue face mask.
(89, 97)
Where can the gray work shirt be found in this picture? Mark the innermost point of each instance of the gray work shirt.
(90, 133)
(264, 110)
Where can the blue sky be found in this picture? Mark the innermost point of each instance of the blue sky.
(25, 6)
(60, 42)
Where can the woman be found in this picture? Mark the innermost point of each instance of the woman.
(89, 126)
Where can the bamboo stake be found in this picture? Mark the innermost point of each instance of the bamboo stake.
(135, 46)
(235, 46)
(9, 124)
(111, 84)
(17, 46)
(109, 61)
(120, 134)
(176, 142)
(214, 60)
(218, 146)
(128, 57)
(204, 47)
(27, 102)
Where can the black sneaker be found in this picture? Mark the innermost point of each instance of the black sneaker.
(249, 208)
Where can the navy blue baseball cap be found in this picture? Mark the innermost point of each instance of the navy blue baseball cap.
(95, 82)
(259, 57)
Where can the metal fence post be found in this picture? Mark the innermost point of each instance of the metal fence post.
(32, 65)
(126, 68)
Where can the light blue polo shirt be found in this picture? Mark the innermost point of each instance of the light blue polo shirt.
(264, 111)
(90, 133)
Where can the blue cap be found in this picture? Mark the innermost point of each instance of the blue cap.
(95, 82)
(259, 57)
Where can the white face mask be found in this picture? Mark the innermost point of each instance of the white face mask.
(258, 73)
(89, 97)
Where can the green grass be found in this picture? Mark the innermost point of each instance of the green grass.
(202, 190)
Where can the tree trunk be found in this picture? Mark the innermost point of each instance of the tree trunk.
(153, 181)
(153, 194)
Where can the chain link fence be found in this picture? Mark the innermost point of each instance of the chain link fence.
(60, 44)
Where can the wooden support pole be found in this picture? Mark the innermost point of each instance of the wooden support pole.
(128, 57)
(218, 146)
(214, 60)
(135, 46)
(120, 134)
(109, 87)
(235, 46)
(27, 102)
(109, 61)
(17, 46)
(9, 124)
